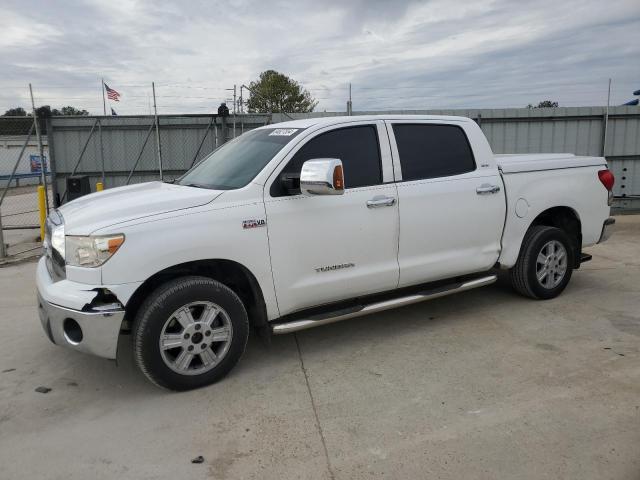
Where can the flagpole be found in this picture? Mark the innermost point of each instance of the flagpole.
(606, 121)
(104, 102)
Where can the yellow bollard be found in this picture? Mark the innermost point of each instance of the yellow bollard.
(42, 209)
(99, 187)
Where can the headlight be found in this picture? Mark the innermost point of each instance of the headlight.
(57, 240)
(91, 251)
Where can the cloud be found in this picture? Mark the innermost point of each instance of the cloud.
(401, 54)
(18, 32)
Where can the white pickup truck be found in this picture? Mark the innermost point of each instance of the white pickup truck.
(308, 222)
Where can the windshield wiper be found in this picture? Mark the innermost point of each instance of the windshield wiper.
(208, 187)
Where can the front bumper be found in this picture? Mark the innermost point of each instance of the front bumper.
(86, 330)
(607, 229)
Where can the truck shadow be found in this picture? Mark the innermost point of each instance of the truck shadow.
(281, 351)
(261, 360)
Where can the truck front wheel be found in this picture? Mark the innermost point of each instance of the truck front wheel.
(189, 333)
(545, 263)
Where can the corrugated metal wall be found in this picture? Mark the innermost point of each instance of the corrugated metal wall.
(578, 130)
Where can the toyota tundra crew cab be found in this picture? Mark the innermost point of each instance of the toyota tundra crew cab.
(308, 222)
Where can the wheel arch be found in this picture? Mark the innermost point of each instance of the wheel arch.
(566, 219)
(228, 272)
(563, 217)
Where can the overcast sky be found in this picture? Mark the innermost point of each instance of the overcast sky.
(396, 54)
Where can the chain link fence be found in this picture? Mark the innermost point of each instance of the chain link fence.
(20, 172)
(123, 150)
(111, 150)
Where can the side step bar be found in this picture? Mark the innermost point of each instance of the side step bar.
(316, 321)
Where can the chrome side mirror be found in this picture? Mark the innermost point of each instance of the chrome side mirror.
(322, 176)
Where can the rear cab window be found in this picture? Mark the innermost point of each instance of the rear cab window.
(432, 151)
(357, 147)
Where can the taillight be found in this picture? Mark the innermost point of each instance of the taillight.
(607, 179)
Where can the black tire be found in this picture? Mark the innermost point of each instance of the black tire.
(523, 274)
(156, 311)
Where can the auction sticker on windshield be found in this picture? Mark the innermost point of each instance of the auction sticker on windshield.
(283, 132)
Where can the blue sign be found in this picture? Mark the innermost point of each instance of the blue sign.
(36, 164)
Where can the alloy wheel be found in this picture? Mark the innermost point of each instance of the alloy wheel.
(195, 338)
(551, 264)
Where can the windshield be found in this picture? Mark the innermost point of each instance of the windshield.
(236, 163)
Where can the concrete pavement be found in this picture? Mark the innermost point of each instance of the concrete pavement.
(482, 385)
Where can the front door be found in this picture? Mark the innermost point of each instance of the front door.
(326, 248)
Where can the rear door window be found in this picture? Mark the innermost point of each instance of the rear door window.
(431, 151)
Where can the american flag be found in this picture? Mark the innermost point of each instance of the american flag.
(111, 93)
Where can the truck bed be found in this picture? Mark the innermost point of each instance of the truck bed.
(535, 183)
(533, 162)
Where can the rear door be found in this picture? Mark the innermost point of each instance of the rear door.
(326, 248)
(451, 211)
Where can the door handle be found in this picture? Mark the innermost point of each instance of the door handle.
(377, 202)
(486, 188)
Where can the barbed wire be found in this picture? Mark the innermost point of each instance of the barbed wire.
(432, 95)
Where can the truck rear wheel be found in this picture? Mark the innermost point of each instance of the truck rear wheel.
(545, 263)
(189, 333)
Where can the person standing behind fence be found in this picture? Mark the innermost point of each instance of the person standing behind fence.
(223, 110)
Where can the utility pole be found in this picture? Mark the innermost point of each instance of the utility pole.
(349, 104)
(104, 114)
(155, 114)
(606, 121)
(43, 175)
(234, 107)
(101, 151)
(3, 246)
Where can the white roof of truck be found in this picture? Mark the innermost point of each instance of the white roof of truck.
(309, 122)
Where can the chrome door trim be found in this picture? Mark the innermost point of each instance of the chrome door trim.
(487, 188)
(381, 201)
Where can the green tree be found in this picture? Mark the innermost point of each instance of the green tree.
(46, 111)
(545, 104)
(276, 93)
(69, 110)
(15, 112)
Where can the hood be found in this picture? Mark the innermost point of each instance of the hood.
(116, 205)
